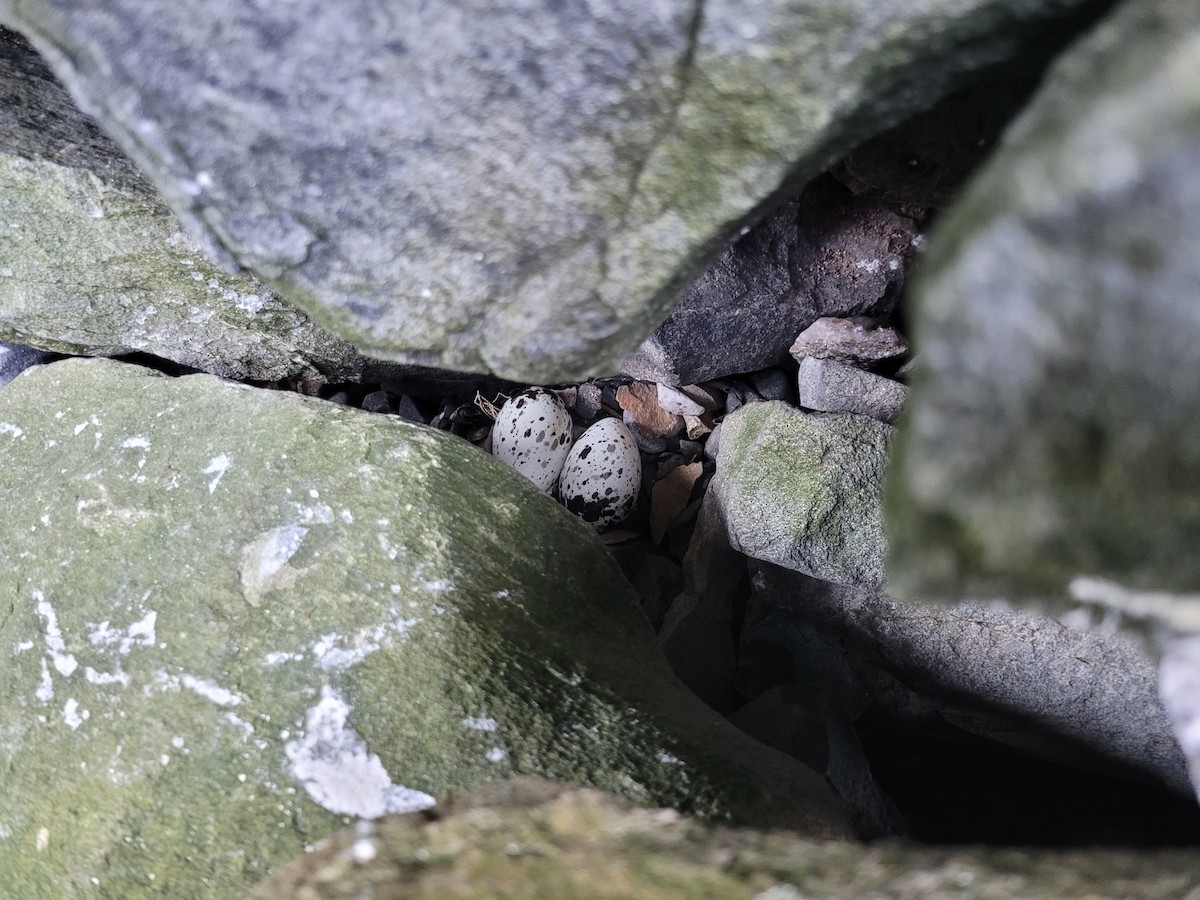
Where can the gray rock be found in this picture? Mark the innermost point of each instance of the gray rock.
(236, 616)
(16, 358)
(94, 263)
(550, 841)
(857, 340)
(1054, 429)
(827, 385)
(802, 490)
(1082, 698)
(824, 253)
(524, 189)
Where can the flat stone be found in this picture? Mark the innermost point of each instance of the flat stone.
(639, 401)
(857, 340)
(518, 189)
(827, 385)
(238, 615)
(676, 401)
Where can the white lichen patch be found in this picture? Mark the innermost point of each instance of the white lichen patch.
(339, 772)
(11, 429)
(217, 467)
(73, 716)
(140, 634)
(56, 647)
(480, 723)
(264, 560)
(136, 442)
(202, 687)
(45, 688)
(496, 755)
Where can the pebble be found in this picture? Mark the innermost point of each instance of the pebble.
(676, 401)
(639, 402)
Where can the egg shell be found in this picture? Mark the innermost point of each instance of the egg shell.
(532, 435)
(602, 475)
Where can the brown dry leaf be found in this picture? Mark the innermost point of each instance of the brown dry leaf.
(670, 497)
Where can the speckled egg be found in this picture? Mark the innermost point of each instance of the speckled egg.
(532, 435)
(602, 475)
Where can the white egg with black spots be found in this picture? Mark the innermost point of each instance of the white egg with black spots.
(532, 435)
(602, 475)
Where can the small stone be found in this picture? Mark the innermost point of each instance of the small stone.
(407, 409)
(341, 398)
(772, 384)
(711, 398)
(696, 427)
(639, 401)
(827, 385)
(857, 340)
(713, 445)
(377, 402)
(675, 401)
(588, 400)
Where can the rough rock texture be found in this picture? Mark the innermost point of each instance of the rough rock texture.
(1054, 429)
(537, 840)
(92, 261)
(857, 340)
(802, 490)
(444, 184)
(827, 385)
(824, 253)
(1026, 680)
(236, 615)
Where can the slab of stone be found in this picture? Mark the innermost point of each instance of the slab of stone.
(524, 189)
(858, 340)
(236, 616)
(94, 263)
(1054, 429)
(823, 253)
(521, 839)
(802, 490)
(827, 385)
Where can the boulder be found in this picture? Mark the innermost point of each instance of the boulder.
(238, 617)
(522, 839)
(94, 263)
(1054, 428)
(1054, 435)
(524, 189)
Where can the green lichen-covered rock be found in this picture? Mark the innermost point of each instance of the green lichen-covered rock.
(1054, 427)
(801, 490)
(524, 188)
(537, 840)
(237, 618)
(93, 262)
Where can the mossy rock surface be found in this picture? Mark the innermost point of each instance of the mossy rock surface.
(539, 840)
(524, 188)
(801, 490)
(1054, 426)
(240, 618)
(94, 263)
